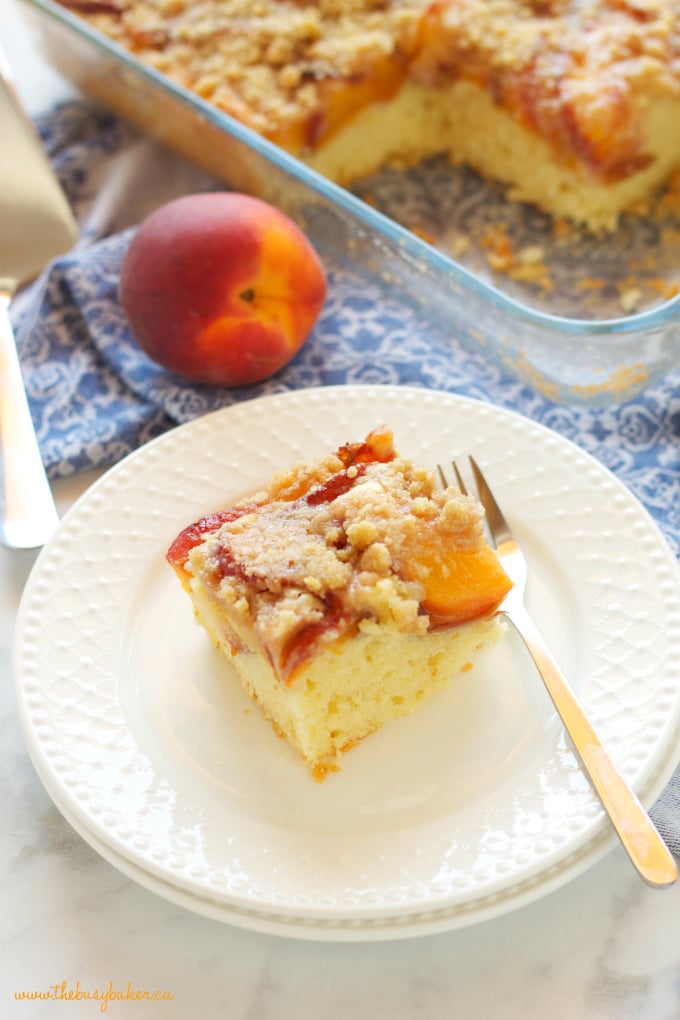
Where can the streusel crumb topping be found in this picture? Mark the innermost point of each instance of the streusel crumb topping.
(263, 61)
(333, 540)
(578, 72)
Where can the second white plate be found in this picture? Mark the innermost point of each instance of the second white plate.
(471, 806)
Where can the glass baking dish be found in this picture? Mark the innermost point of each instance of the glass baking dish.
(515, 282)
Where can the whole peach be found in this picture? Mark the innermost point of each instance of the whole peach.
(221, 287)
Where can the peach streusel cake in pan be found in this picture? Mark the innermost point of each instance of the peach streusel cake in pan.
(345, 593)
(574, 104)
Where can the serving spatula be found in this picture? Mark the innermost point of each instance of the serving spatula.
(36, 225)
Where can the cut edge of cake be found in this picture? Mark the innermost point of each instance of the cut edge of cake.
(461, 122)
(317, 713)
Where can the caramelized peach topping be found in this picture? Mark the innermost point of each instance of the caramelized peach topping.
(573, 72)
(361, 537)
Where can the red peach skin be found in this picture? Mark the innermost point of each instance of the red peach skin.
(221, 288)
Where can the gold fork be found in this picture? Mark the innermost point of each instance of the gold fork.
(643, 844)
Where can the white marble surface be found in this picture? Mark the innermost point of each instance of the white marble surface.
(603, 947)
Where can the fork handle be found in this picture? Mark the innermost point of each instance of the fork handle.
(643, 844)
(29, 515)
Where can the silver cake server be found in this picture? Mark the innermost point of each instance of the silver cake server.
(36, 225)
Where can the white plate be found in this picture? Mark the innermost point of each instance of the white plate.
(470, 807)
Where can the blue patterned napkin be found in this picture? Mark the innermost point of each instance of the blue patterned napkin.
(95, 396)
